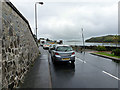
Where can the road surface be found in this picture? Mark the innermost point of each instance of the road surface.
(89, 71)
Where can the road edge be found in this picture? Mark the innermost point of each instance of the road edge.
(116, 59)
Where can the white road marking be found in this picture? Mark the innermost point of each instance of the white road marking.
(107, 59)
(111, 75)
(81, 60)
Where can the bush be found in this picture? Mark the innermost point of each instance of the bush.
(101, 48)
(116, 52)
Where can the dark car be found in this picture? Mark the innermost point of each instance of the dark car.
(52, 47)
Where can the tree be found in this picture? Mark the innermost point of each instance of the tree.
(47, 39)
(39, 41)
(35, 37)
(60, 42)
(115, 39)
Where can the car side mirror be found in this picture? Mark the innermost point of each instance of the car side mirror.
(52, 48)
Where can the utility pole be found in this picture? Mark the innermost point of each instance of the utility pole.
(83, 40)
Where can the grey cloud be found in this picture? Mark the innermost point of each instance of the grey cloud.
(64, 20)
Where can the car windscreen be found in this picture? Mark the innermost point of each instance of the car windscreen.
(64, 48)
(51, 46)
(54, 45)
(47, 44)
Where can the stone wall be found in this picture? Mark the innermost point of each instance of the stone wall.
(19, 49)
(0, 45)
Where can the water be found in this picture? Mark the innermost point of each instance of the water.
(91, 44)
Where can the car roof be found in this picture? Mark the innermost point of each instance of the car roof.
(63, 45)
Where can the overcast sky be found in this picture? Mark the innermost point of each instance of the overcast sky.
(60, 19)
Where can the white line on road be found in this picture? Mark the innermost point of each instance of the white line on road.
(81, 60)
(111, 75)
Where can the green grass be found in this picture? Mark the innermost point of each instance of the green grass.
(106, 54)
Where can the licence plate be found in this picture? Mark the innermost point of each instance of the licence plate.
(65, 58)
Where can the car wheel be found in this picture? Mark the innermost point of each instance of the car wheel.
(72, 62)
(52, 59)
(54, 62)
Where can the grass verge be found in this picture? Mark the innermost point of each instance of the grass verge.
(106, 54)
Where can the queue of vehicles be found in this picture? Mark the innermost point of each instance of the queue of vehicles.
(60, 53)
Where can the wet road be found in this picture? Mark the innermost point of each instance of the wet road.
(89, 71)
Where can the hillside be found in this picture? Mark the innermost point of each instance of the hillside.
(105, 39)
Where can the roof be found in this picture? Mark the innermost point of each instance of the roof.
(63, 45)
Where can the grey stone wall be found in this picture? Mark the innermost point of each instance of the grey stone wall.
(0, 45)
(18, 47)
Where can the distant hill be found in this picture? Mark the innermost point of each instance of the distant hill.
(73, 41)
(105, 39)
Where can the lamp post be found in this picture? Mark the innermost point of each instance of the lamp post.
(36, 18)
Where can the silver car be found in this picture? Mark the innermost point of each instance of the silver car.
(63, 53)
